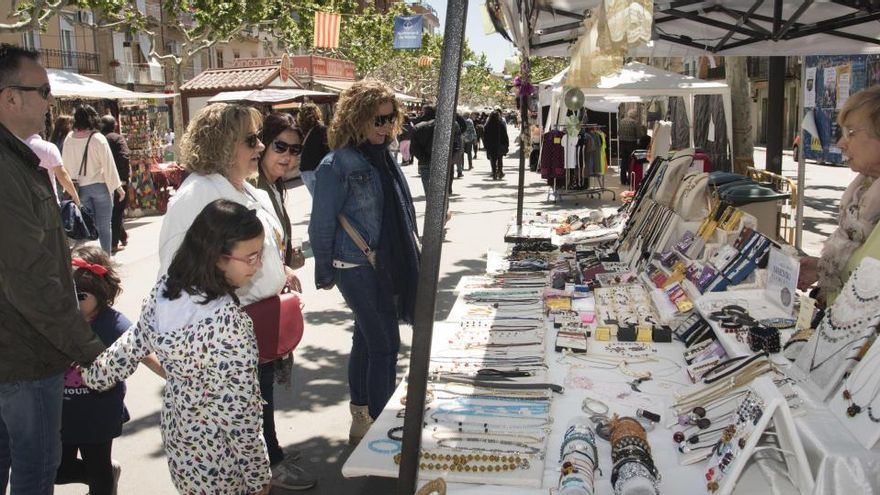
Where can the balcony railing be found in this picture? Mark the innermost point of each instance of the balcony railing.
(139, 74)
(82, 62)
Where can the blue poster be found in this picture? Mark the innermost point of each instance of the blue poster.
(408, 31)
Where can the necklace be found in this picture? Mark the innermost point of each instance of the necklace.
(814, 366)
(849, 393)
(862, 297)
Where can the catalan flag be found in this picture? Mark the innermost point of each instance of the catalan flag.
(326, 30)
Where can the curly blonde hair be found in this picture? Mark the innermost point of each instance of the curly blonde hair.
(356, 109)
(309, 116)
(208, 146)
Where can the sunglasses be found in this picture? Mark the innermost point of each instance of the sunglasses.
(282, 147)
(252, 140)
(44, 91)
(82, 296)
(384, 119)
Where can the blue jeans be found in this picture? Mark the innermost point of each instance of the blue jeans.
(372, 366)
(308, 178)
(99, 201)
(30, 434)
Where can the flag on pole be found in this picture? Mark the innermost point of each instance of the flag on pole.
(326, 30)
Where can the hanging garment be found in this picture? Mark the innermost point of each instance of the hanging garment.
(569, 145)
(552, 155)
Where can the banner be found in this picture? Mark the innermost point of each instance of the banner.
(810, 88)
(326, 30)
(407, 32)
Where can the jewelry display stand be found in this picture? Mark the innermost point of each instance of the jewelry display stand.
(776, 410)
(758, 307)
(848, 325)
(864, 425)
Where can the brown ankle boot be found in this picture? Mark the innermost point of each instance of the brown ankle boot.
(360, 423)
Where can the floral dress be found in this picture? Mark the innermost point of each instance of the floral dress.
(211, 416)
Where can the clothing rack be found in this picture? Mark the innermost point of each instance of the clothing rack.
(592, 192)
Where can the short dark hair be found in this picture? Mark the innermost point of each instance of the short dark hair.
(108, 124)
(213, 233)
(85, 118)
(105, 287)
(429, 111)
(10, 62)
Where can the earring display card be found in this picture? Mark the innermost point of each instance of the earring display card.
(848, 325)
(856, 404)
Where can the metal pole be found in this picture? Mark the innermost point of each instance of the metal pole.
(524, 137)
(775, 114)
(802, 165)
(432, 244)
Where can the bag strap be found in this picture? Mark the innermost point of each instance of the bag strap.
(357, 238)
(84, 164)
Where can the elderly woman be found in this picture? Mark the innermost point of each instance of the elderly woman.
(362, 207)
(311, 123)
(857, 235)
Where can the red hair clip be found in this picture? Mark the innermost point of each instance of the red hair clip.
(92, 267)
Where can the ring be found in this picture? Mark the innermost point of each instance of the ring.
(595, 407)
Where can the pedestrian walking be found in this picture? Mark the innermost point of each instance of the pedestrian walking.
(363, 234)
(90, 420)
(50, 159)
(88, 159)
(41, 330)
(311, 124)
(469, 137)
(496, 143)
(282, 154)
(62, 126)
(211, 408)
(121, 155)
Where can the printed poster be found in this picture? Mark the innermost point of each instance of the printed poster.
(407, 32)
(829, 87)
(782, 277)
(843, 84)
(810, 88)
(873, 71)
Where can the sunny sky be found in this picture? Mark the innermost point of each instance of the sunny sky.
(494, 46)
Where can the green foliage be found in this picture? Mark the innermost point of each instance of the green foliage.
(544, 68)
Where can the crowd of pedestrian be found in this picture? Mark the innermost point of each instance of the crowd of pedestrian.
(225, 247)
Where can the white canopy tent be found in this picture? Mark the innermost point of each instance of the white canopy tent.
(71, 84)
(637, 82)
(267, 95)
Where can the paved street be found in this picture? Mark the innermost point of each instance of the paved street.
(313, 416)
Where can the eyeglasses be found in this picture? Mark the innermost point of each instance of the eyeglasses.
(251, 260)
(849, 132)
(252, 140)
(82, 296)
(282, 147)
(44, 91)
(384, 119)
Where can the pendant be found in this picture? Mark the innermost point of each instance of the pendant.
(853, 410)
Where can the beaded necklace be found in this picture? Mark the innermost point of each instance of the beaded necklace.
(467, 463)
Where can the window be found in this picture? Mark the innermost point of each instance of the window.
(220, 59)
(68, 43)
(30, 40)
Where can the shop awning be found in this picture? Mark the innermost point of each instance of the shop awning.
(66, 84)
(340, 86)
(267, 95)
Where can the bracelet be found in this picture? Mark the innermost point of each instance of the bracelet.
(393, 449)
(594, 407)
(394, 430)
(746, 360)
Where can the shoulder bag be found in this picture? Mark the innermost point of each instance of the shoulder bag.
(278, 324)
(84, 164)
(358, 239)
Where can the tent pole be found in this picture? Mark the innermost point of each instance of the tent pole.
(802, 165)
(775, 114)
(432, 246)
(524, 134)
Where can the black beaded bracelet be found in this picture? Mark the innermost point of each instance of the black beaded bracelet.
(762, 338)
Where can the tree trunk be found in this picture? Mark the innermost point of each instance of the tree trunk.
(179, 126)
(737, 78)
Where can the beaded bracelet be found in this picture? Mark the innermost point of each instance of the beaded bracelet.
(624, 472)
(762, 338)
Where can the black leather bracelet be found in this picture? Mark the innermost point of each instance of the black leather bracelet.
(745, 361)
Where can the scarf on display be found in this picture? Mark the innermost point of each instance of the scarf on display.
(859, 214)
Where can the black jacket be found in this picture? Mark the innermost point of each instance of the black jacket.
(423, 139)
(41, 328)
(314, 149)
(121, 154)
(495, 140)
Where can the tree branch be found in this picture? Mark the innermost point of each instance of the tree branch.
(33, 18)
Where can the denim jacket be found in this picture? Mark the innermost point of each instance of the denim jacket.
(346, 182)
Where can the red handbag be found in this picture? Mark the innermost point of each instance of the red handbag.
(278, 324)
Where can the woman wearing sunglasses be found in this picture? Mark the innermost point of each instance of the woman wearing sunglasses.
(361, 207)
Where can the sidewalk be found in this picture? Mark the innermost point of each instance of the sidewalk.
(314, 415)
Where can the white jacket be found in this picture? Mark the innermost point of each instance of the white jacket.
(100, 166)
(191, 198)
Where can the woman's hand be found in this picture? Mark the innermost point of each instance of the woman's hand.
(809, 273)
(120, 192)
(292, 280)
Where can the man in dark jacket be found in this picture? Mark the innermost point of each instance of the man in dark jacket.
(41, 329)
(422, 142)
(496, 143)
(119, 148)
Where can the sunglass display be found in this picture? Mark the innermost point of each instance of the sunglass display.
(384, 119)
(44, 91)
(282, 147)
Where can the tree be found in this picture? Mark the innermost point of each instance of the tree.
(34, 15)
(743, 148)
(544, 68)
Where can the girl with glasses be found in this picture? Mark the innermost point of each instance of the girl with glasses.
(192, 320)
